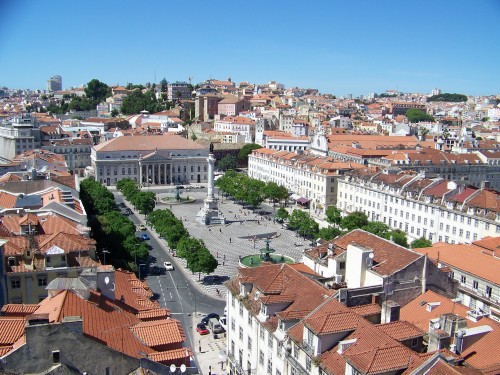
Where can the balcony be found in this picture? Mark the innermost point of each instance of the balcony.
(479, 295)
(295, 364)
(309, 349)
(234, 363)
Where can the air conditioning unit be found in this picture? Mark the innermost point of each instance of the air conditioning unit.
(338, 279)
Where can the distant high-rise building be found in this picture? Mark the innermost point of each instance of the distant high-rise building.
(436, 92)
(54, 83)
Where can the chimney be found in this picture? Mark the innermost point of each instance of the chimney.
(390, 312)
(106, 282)
(344, 345)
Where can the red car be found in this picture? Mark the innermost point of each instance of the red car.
(202, 329)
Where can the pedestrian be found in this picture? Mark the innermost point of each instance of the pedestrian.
(223, 262)
(209, 229)
(217, 254)
(224, 256)
(229, 239)
(220, 230)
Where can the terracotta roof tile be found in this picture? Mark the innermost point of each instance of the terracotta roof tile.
(148, 143)
(159, 332)
(465, 257)
(400, 330)
(11, 330)
(18, 310)
(388, 257)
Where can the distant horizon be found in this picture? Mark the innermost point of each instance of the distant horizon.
(339, 48)
(259, 83)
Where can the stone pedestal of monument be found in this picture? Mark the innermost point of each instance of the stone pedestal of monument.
(209, 213)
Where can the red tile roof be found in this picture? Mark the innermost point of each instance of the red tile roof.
(465, 257)
(11, 330)
(159, 332)
(388, 257)
(400, 330)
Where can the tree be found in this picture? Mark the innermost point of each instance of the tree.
(139, 101)
(247, 150)
(416, 115)
(354, 220)
(97, 91)
(114, 112)
(421, 242)
(275, 192)
(446, 97)
(164, 85)
(203, 261)
(329, 233)
(226, 163)
(378, 228)
(399, 237)
(296, 219)
(333, 215)
(281, 214)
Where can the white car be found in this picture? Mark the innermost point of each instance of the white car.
(223, 322)
(168, 266)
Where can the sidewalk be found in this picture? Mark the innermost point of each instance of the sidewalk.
(209, 351)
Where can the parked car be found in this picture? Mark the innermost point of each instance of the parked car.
(128, 211)
(215, 326)
(142, 227)
(144, 237)
(210, 316)
(223, 323)
(122, 205)
(168, 266)
(202, 329)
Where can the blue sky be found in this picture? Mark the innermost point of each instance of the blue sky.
(339, 47)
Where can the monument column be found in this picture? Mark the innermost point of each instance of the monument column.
(211, 178)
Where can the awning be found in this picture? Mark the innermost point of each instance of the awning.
(303, 200)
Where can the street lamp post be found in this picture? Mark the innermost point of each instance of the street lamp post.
(104, 252)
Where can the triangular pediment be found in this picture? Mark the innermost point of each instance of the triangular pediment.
(155, 156)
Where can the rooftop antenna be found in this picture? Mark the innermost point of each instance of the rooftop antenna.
(190, 78)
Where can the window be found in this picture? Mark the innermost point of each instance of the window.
(414, 342)
(241, 309)
(261, 357)
(15, 283)
(262, 333)
(42, 280)
(474, 284)
(233, 301)
(279, 350)
(269, 366)
(250, 320)
(270, 341)
(308, 363)
(233, 325)
(488, 291)
(249, 345)
(241, 333)
(56, 356)
(463, 279)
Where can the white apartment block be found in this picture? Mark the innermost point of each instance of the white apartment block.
(237, 124)
(307, 176)
(437, 209)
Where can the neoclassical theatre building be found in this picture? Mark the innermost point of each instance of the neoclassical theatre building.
(152, 159)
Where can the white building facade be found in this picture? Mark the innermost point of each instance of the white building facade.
(155, 160)
(437, 210)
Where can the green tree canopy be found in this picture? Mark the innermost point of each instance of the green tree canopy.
(226, 163)
(247, 150)
(329, 233)
(399, 237)
(97, 91)
(378, 228)
(333, 215)
(139, 101)
(420, 243)
(354, 220)
(281, 214)
(416, 115)
(446, 97)
(275, 192)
